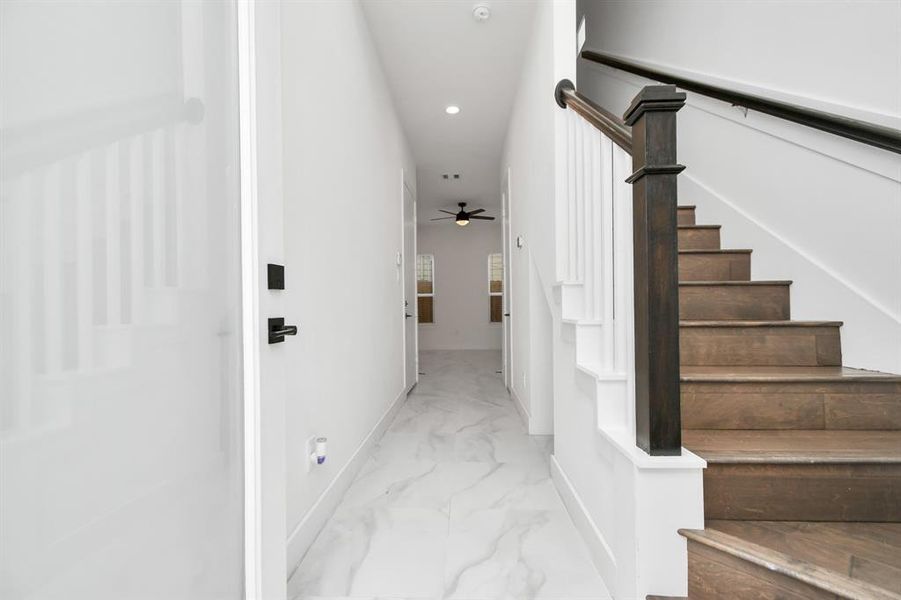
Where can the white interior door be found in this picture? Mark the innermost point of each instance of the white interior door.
(508, 291)
(120, 302)
(411, 354)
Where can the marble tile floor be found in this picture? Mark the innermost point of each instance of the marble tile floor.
(456, 502)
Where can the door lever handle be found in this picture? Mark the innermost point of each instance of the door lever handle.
(278, 330)
(407, 315)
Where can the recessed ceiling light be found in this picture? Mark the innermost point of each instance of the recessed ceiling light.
(452, 109)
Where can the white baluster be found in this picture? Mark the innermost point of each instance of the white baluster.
(594, 185)
(587, 211)
(607, 250)
(137, 150)
(113, 219)
(156, 245)
(15, 206)
(571, 198)
(622, 200)
(51, 192)
(581, 230)
(181, 196)
(170, 208)
(84, 263)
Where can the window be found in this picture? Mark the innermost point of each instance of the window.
(425, 287)
(496, 286)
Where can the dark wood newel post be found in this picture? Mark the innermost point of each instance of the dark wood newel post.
(658, 421)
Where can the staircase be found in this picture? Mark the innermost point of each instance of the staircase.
(802, 491)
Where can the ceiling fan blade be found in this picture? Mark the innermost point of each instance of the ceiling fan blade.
(442, 218)
(476, 211)
(447, 212)
(482, 218)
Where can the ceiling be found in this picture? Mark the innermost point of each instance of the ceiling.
(435, 53)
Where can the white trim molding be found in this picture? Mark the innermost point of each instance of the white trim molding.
(253, 518)
(302, 537)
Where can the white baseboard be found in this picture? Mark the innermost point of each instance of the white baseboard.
(601, 554)
(520, 408)
(300, 540)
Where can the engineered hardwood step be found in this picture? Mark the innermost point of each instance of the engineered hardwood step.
(771, 398)
(739, 300)
(765, 343)
(864, 552)
(685, 215)
(698, 237)
(800, 475)
(784, 374)
(793, 560)
(714, 265)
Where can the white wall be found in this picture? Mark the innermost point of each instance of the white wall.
(271, 241)
(461, 305)
(343, 155)
(815, 208)
(529, 153)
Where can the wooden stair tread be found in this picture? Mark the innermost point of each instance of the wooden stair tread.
(699, 226)
(839, 547)
(686, 207)
(736, 374)
(717, 251)
(738, 323)
(812, 566)
(795, 447)
(762, 282)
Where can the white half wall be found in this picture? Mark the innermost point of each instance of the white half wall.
(461, 304)
(343, 154)
(529, 153)
(817, 209)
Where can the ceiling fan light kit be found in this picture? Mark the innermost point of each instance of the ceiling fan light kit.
(463, 217)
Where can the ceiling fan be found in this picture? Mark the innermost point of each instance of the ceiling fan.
(463, 217)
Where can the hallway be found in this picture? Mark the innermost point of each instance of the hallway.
(455, 502)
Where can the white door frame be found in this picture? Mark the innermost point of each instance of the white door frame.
(250, 300)
(258, 26)
(506, 229)
(414, 306)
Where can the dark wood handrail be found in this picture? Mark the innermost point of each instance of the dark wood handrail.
(853, 129)
(34, 144)
(608, 123)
